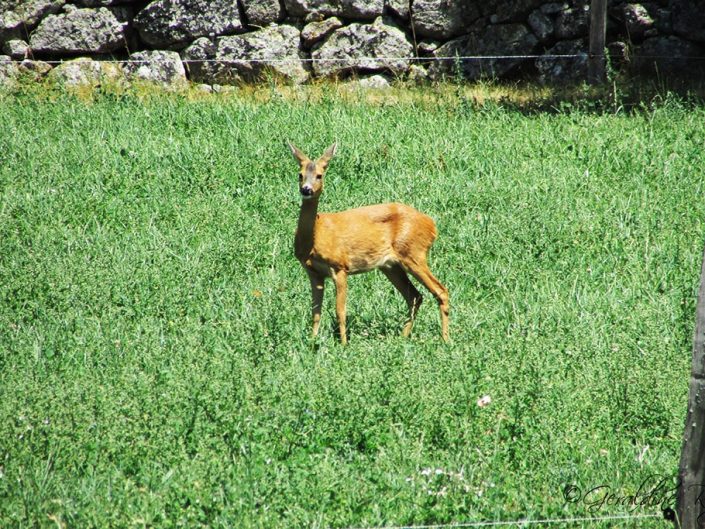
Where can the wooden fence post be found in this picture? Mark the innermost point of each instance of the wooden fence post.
(690, 500)
(596, 53)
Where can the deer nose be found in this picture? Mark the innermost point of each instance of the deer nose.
(307, 191)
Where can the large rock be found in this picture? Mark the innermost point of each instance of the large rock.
(417, 74)
(11, 72)
(174, 22)
(426, 48)
(198, 59)
(398, 8)
(376, 47)
(375, 82)
(103, 3)
(504, 39)
(361, 9)
(664, 20)
(562, 69)
(87, 72)
(443, 19)
(618, 52)
(315, 32)
(541, 24)
(669, 56)
(17, 17)
(263, 12)
(637, 20)
(319, 9)
(689, 19)
(273, 49)
(35, 70)
(554, 8)
(573, 23)
(79, 31)
(509, 10)
(17, 49)
(8, 72)
(162, 67)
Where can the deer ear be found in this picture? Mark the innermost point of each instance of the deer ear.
(300, 156)
(328, 154)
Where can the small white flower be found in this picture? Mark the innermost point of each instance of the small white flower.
(484, 401)
(642, 454)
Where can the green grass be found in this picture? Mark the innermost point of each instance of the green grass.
(155, 365)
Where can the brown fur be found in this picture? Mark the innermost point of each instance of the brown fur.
(394, 238)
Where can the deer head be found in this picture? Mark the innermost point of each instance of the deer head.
(311, 173)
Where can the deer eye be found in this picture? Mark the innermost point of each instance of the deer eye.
(301, 176)
(319, 176)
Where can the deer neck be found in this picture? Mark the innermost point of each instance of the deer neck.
(305, 228)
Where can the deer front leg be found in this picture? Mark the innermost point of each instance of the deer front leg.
(317, 287)
(340, 277)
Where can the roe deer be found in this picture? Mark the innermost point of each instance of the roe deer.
(392, 237)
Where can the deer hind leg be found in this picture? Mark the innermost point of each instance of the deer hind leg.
(421, 271)
(340, 278)
(407, 289)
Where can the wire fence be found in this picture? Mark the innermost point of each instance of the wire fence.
(364, 59)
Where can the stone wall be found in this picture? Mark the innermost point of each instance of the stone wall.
(230, 41)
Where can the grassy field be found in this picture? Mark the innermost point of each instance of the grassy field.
(155, 364)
